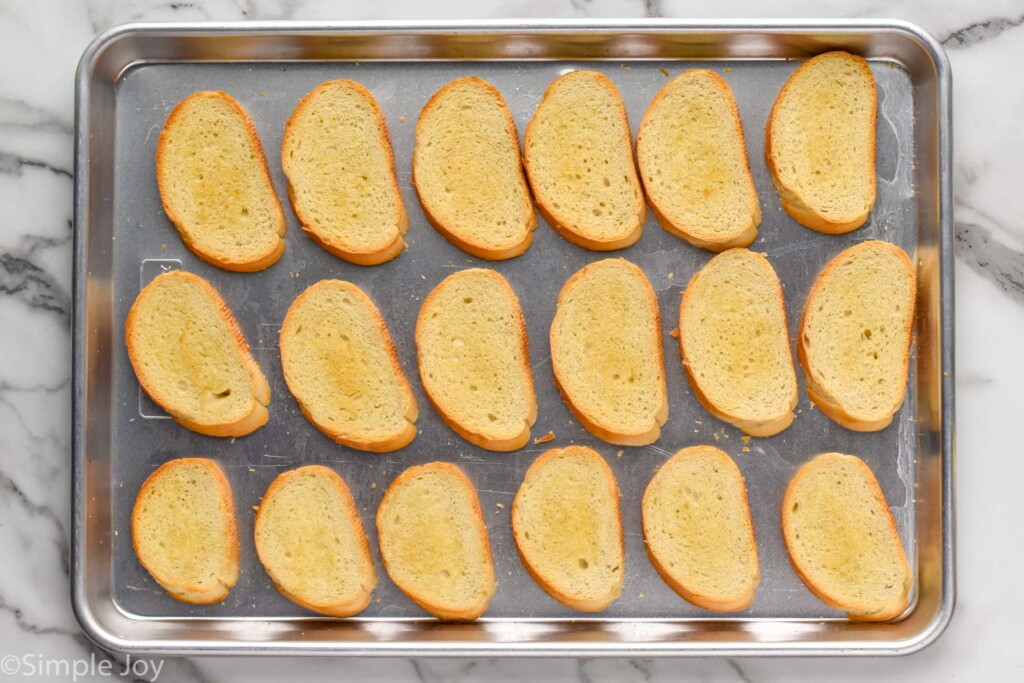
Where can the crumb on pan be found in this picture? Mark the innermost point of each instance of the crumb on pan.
(550, 436)
(674, 333)
(664, 71)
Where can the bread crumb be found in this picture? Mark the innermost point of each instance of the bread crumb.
(378, 599)
(255, 508)
(550, 436)
(233, 439)
(664, 71)
(726, 69)
(746, 439)
(263, 94)
(252, 469)
(624, 67)
(671, 275)
(674, 333)
(746, 449)
(163, 246)
(501, 505)
(715, 435)
(373, 485)
(618, 453)
(696, 431)
(641, 596)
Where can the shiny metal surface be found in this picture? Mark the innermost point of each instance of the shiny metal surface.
(128, 81)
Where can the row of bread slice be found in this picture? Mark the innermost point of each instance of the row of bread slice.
(469, 176)
(566, 523)
(340, 363)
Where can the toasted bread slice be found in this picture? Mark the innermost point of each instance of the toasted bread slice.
(842, 539)
(184, 530)
(215, 185)
(735, 343)
(698, 530)
(568, 528)
(474, 359)
(433, 541)
(819, 143)
(579, 158)
(607, 355)
(854, 341)
(191, 358)
(311, 542)
(340, 364)
(694, 166)
(468, 171)
(337, 156)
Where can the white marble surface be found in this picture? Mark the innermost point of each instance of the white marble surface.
(40, 43)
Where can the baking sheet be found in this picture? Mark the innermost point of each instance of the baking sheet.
(145, 242)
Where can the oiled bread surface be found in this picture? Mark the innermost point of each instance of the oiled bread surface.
(184, 530)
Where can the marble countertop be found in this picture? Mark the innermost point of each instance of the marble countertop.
(40, 43)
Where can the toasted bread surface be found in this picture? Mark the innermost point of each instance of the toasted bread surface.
(820, 143)
(191, 358)
(311, 541)
(694, 166)
(184, 530)
(474, 359)
(735, 343)
(854, 341)
(579, 159)
(842, 539)
(468, 171)
(434, 543)
(215, 185)
(340, 364)
(337, 156)
(568, 528)
(698, 530)
(607, 354)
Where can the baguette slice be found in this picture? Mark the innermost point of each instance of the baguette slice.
(735, 343)
(842, 539)
(698, 530)
(184, 530)
(433, 541)
(854, 341)
(579, 158)
(215, 185)
(341, 174)
(340, 364)
(568, 528)
(607, 355)
(468, 172)
(820, 143)
(311, 541)
(191, 358)
(694, 166)
(474, 359)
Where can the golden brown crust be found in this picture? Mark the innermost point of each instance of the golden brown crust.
(474, 249)
(258, 262)
(479, 439)
(751, 427)
(550, 587)
(359, 257)
(396, 441)
(742, 238)
(720, 604)
(360, 600)
(790, 197)
(545, 204)
(819, 395)
(195, 595)
(856, 612)
(599, 430)
(446, 612)
(258, 416)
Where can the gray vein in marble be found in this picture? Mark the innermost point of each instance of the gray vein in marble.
(990, 258)
(739, 671)
(981, 31)
(16, 113)
(24, 280)
(652, 8)
(14, 165)
(39, 510)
